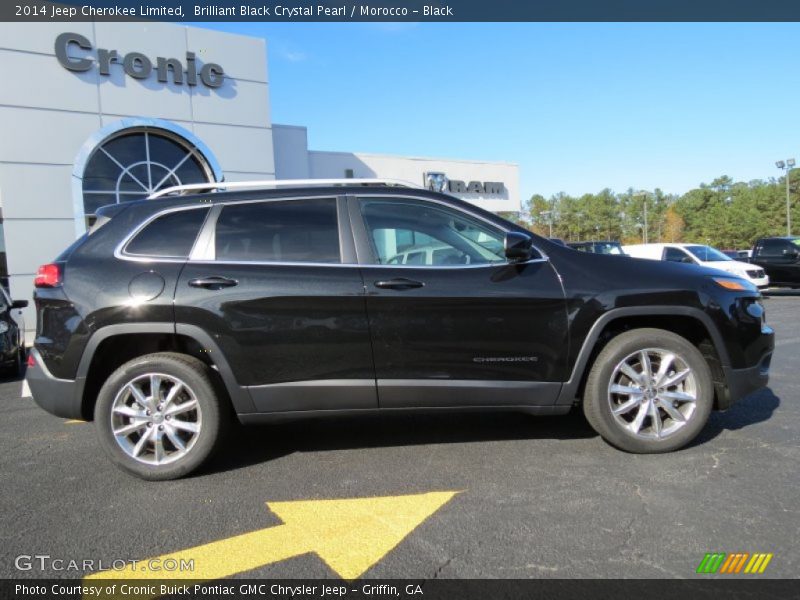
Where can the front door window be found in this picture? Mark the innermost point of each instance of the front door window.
(410, 232)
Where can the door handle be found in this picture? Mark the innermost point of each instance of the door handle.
(400, 283)
(213, 282)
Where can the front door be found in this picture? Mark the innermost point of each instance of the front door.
(453, 322)
(283, 305)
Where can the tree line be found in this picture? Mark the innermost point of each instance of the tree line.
(723, 213)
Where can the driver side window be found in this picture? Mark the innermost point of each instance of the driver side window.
(418, 233)
(676, 255)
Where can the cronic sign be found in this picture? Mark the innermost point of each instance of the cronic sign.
(136, 64)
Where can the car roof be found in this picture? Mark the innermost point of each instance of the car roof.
(152, 206)
(653, 245)
(664, 245)
(234, 196)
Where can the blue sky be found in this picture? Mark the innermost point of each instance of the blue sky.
(579, 107)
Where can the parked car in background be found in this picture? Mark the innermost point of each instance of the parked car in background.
(780, 259)
(12, 335)
(699, 254)
(598, 247)
(743, 255)
(441, 254)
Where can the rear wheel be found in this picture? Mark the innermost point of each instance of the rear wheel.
(649, 391)
(159, 416)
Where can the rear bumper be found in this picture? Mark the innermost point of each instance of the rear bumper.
(60, 397)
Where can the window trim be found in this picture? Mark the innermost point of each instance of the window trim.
(364, 246)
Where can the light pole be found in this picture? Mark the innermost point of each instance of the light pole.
(643, 194)
(645, 217)
(549, 214)
(787, 168)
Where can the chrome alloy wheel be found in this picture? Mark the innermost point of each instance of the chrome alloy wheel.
(156, 419)
(652, 393)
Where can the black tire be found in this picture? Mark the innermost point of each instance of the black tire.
(213, 414)
(597, 399)
(15, 369)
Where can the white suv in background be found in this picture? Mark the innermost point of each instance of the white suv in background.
(699, 254)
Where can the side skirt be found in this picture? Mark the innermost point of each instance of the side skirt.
(277, 417)
(359, 394)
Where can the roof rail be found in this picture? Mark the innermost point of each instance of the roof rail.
(273, 183)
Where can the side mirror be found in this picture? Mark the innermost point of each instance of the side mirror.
(687, 260)
(19, 304)
(518, 246)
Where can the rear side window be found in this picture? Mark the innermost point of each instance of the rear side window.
(169, 236)
(775, 247)
(279, 231)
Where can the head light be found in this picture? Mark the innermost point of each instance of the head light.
(3, 326)
(734, 283)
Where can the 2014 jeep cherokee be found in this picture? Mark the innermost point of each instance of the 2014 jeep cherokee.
(175, 315)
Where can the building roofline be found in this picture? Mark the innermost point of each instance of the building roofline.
(289, 126)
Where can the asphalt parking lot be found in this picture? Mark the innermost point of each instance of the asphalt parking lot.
(537, 497)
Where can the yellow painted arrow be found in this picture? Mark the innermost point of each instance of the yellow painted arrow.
(350, 535)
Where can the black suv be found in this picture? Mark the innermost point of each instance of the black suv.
(780, 258)
(174, 316)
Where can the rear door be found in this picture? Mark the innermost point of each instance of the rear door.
(462, 326)
(278, 289)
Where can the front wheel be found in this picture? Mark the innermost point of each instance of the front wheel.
(649, 391)
(159, 416)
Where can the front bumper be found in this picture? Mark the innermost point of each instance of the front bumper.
(60, 397)
(743, 382)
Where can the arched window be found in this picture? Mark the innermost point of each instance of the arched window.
(134, 162)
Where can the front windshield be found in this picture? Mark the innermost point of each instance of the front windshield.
(707, 253)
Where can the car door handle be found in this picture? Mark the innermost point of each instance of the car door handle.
(401, 283)
(213, 283)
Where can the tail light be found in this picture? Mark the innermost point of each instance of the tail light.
(31, 361)
(48, 276)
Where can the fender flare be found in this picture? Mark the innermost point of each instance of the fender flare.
(240, 397)
(569, 390)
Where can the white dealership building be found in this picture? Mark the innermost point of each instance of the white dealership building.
(97, 113)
